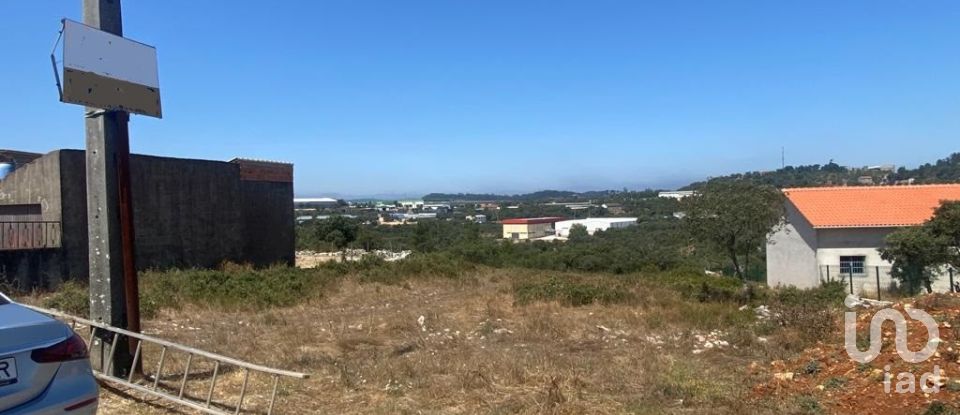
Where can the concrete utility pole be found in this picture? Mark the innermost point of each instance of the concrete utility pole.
(114, 295)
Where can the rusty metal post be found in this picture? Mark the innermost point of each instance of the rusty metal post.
(131, 282)
(851, 281)
(878, 282)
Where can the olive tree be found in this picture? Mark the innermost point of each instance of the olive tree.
(946, 224)
(578, 233)
(737, 217)
(916, 253)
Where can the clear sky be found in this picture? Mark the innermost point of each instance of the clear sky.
(392, 97)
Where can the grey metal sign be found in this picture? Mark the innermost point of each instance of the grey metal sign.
(106, 71)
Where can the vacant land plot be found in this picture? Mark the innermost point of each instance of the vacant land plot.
(514, 341)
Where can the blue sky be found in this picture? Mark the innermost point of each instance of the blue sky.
(394, 97)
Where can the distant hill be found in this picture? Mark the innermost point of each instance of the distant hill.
(541, 196)
(946, 170)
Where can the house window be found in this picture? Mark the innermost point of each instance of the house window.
(852, 265)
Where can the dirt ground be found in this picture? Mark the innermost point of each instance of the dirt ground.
(444, 346)
(826, 374)
(454, 347)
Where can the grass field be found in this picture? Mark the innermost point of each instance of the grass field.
(486, 340)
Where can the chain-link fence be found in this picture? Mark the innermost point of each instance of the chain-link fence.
(874, 281)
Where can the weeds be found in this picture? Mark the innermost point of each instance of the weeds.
(808, 404)
(72, 297)
(940, 408)
(561, 342)
(570, 292)
(835, 383)
(239, 288)
(810, 314)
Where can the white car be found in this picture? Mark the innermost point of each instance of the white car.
(44, 366)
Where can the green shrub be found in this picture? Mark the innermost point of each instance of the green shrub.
(835, 383)
(708, 288)
(71, 297)
(569, 291)
(808, 404)
(811, 313)
(415, 266)
(940, 408)
(240, 288)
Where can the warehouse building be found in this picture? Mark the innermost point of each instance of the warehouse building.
(593, 225)
(529, 228)
(187, 213)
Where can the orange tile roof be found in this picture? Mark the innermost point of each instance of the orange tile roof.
(870, 206)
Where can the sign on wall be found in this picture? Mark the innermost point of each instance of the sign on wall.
(103, 70)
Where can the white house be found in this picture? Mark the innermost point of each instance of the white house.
(562, 228)
(834, 232)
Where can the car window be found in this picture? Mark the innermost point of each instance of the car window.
(3, 300)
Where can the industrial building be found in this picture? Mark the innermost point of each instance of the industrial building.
(834, 233)
(187, 213)
(593, 225)
(529, 228)
(677, 194)
(315, 203)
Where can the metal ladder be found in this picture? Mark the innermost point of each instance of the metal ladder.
(162, 390)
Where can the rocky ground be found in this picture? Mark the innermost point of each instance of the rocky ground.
(829, 380)
(310, 259)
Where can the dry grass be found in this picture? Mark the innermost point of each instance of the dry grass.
(478, 351)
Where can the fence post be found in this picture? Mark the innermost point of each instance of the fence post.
(878, 282)
(851, 281)
(828, 273)
(951, 279)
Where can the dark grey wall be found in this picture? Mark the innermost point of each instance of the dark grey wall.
(267, 212)
(73, 190)
(187, 213)
(25, 270)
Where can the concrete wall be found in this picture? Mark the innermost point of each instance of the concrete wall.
(187, 213)
(36, 183)
(73, 190)
(865, 242)
(792, 253)
(269, 222)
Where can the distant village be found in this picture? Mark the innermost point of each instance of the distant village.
(543, 228)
